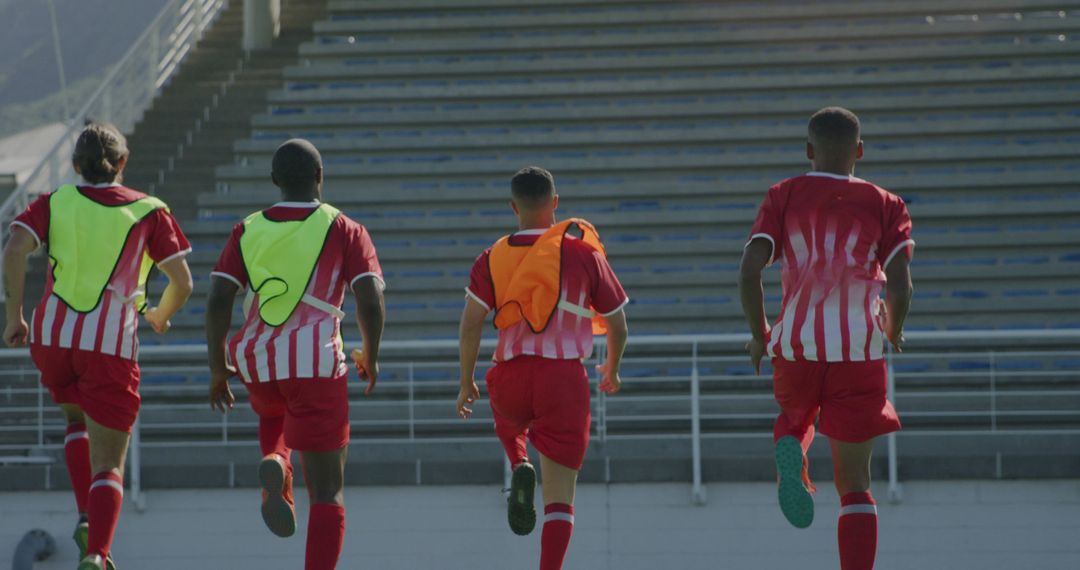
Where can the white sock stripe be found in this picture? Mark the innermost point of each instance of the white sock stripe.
(859, 509)
(559, 517)
(76, 435)
(108, 483)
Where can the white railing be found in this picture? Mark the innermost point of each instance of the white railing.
(697, 368)
(124, 94)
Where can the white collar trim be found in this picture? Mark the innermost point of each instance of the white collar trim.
(831, 175)
(297, 204)
(532, 232)
(102, 185)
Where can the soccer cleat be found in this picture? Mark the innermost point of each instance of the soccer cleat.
(92, 562)
(278, 511)
(521, 510)
(796, 502)
(82, 533)
(81, 536)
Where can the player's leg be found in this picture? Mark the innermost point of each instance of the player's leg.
(275, 469)
(511, 406)
(857, 528)
(559, 486)
(108, 448)
(317, 425)
(77, 460)
(796, 389)
(854, 411)
(58, 375)
(561, 435)
(324, 476)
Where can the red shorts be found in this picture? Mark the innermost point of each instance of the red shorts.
(316, 410)
(546, 400)
(106, 387)
(850, 398)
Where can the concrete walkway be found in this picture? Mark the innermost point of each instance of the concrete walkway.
(976, 525)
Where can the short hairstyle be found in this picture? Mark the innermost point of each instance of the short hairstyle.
(98, 152)
(296, 164)
(532, 186)
(834, 130)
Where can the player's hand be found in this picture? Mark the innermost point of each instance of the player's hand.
(756, 348)
(16, 333)
(160, 324)
(610, 383)
(368, 369)
(896, 339)
(469, 393)
(221, 396)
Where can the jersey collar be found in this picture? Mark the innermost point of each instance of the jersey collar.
(297, 204)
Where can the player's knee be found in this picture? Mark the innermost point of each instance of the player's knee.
(328, 496)
(73, 414)
(852, 482)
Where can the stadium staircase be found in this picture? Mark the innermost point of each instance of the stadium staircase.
(664, 123)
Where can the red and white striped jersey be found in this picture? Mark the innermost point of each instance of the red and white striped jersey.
(112, 327)
(587, 280)
(834, 235)
(309, 344)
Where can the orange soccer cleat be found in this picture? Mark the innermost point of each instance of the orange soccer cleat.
(278, 511)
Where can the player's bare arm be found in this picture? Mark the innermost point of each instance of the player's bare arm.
(617, 331)
(898, 291)
(370, 316)
(470, 332)
(219, 310)
(176, 294)
(20, 245)
(755, 257)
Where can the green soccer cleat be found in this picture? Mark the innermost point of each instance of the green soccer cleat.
(520, 508)
(81, 537)
(92, 562)
(278, 510)
(796, 502)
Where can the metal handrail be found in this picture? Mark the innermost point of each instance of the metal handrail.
(693, 416)
(124, 94)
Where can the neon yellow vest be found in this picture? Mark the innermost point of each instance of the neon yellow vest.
(86, 240)
(280, 258)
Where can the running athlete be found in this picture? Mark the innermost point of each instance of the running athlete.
(102, 240)
(841, 240)
(296, 259)
(550, 292)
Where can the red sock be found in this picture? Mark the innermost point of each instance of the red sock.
(272, 438)
(857, 531)
(77, 459)
(106, 498)
(325, 535)
(558, 526)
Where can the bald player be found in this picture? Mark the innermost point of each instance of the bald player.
(296, 259)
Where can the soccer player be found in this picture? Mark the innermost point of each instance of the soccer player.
(102, 239)
(841, 240)
(550, 291)
(296, 259)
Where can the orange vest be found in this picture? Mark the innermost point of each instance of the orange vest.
(528, 280)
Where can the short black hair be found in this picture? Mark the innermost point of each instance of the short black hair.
(532, 186)
(98, 152)
(296, 164)
(834, 130)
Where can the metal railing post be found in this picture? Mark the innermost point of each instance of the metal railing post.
(992, 358)
(698, 493)
(135, 465)
(895, 493)
(40, 415)
(412, 404)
